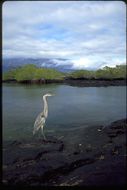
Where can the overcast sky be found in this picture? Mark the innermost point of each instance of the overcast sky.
(90, 34)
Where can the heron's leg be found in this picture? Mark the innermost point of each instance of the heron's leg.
(43, 132)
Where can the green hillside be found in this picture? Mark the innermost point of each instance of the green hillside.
(30, 72)
(106, 73)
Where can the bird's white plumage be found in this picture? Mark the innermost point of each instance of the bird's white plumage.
(41, 118)
(39, 122)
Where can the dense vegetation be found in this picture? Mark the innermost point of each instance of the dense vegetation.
(106, 73)
(31, 72)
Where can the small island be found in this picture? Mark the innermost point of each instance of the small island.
(31, 74)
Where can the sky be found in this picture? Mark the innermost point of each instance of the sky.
(87, 34)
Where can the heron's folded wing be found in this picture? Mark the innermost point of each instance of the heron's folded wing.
(39, 119)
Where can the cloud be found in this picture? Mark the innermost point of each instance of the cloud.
(89, 34)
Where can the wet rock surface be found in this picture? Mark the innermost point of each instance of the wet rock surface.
(95, 82)
(97, 158)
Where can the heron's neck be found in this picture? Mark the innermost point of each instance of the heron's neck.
(45, 107)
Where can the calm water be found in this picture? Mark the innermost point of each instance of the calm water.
(70, 109)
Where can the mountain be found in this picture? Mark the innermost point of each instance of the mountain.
(59, 64)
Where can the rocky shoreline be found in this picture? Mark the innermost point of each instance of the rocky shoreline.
(81, 82)
(96, 82)
(97, 158)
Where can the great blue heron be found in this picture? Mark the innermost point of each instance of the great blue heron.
(41, 118)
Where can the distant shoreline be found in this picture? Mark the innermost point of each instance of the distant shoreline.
(82, 82)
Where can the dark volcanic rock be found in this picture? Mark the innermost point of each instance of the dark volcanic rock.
(95, 82)
(81, 82)
(90, 161)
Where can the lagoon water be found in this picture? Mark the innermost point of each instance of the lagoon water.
(70, 109)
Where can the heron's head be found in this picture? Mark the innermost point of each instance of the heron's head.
(46, 95)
